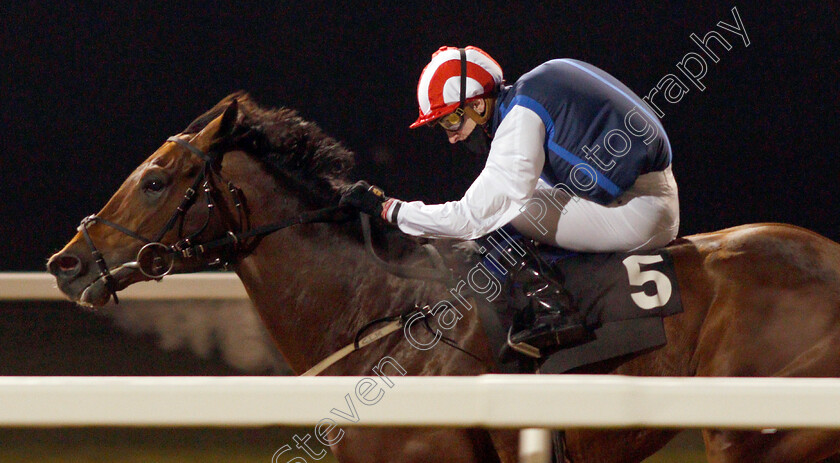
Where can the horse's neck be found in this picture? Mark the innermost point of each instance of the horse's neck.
(313, 288)
(309, 283)
(313, 285)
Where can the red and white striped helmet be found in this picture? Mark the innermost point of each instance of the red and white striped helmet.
(439, 89)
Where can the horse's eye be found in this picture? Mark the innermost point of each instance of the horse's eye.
(153, 186)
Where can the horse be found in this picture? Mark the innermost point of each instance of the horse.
(758, 300)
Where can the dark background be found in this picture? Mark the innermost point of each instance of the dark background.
(90, 91)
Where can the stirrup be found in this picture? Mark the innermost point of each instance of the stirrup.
(523, 347)
(549, 339)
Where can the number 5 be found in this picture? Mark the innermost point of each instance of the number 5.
(638, 278)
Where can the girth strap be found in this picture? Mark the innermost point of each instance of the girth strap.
(394, 323)
(357, 344)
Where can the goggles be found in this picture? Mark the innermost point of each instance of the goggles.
(453, 121)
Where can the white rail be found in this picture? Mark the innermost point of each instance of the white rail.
(543, 401)
(495, 401)
(209, 285)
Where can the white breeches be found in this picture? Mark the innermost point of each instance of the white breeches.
(646, 216)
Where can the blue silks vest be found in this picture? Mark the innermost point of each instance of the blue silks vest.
(599, 135)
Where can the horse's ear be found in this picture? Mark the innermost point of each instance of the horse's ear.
(229, 118)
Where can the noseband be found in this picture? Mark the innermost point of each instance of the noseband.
(156, 259)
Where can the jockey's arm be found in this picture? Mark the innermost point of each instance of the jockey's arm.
(496, 196)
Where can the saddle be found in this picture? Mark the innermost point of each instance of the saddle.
(623, 298)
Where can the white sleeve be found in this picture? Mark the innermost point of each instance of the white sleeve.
(498, 193)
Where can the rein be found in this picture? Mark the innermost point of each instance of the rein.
(440, 272)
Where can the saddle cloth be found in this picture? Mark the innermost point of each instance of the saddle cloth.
(623, 296)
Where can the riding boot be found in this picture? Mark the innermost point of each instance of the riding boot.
(545, 319)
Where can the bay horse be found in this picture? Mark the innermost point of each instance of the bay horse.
(759, 300)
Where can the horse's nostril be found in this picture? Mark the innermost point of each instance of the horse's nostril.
(66, 265)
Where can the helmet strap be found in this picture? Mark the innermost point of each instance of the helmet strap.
(463, 107)
(463, 53)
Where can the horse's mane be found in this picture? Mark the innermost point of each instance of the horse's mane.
(295, 151)
(300, 155)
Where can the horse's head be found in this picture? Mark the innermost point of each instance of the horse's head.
(176, 198)
(181, 210)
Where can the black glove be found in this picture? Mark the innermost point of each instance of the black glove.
(364, 197)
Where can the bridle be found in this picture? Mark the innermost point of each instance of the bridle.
(156, 259)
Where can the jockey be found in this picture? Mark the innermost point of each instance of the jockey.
(574, 159)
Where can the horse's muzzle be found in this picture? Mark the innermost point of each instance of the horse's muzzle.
(73, 275)
(72, 272)
(65, 265)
